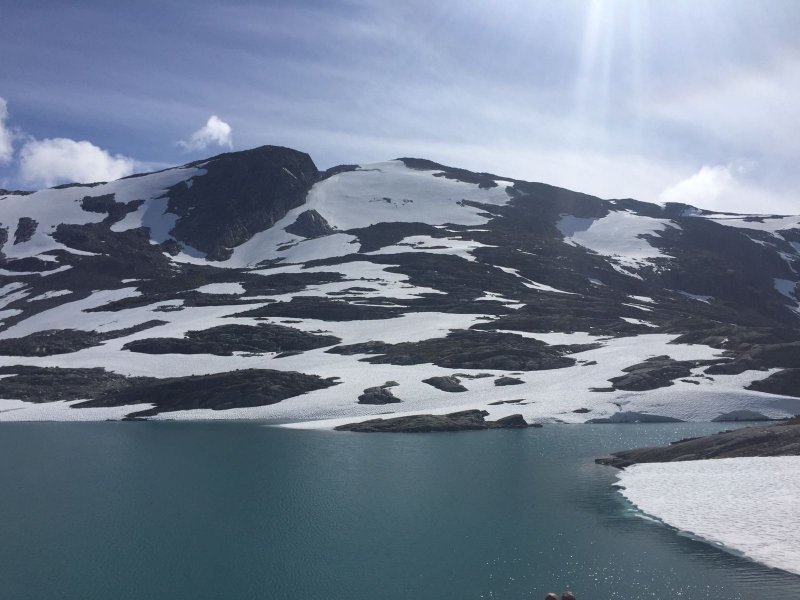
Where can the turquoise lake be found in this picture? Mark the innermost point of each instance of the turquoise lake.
(240, 510)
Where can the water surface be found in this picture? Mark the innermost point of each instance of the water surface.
(242, 511)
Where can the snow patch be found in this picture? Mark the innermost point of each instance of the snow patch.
(221, 288)
(633, 321)
(698, 297)
(50, 294)
(619, 236)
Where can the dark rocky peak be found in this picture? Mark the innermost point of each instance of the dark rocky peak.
(553, 201)
(14, 192)
(643, 209)
(240, 194)
(674, 210)
(310, 224)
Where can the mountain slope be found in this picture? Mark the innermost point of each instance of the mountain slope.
(120, 298)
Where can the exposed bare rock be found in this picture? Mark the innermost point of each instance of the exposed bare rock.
(446, 384)
(782, 439)
(464, 420)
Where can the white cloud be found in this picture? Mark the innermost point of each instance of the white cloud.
(51, 161)
(215, 131)
(723, 188)
(6, 151)
(704, 188)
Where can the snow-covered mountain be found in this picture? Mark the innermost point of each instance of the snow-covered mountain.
(251, 285)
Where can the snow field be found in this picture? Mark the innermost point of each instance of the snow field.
(429, 245)
(617, 236)
(53, 206)
(748, 505)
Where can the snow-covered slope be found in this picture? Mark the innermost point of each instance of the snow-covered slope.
(251, 285)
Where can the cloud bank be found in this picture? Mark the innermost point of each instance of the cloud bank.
(51, 161)
(214, 132)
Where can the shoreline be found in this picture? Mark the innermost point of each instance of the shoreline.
(725, 502)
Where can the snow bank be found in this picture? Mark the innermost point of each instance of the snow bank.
(748, 505)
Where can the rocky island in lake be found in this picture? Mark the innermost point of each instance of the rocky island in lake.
(465, 420)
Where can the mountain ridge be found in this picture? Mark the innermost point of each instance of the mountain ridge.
(406, 259)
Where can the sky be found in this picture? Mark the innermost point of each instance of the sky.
(692, 101)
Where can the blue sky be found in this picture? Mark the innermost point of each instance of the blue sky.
(660, 100)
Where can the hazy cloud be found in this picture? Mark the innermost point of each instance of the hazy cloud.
(6, 151)
(726, 188)
(51, 161)
(214, 132)
(704, 188)
(617, 99)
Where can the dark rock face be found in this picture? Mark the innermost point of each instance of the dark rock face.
(106, 203)
(379, 394)
(45, 384)
(256, 188)
(379, 235)
(310, 224)
(656, 372)
(63, 341)
(465, 420)
(482, 180)
(224, 340)
(785, 383)
(221, 391)
(782, 439)
(468, 350)
(309, 307)
(508, 381)
(26, 227)
(446, 384)
(509, 422)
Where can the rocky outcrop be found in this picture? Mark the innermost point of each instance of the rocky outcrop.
(310, 307)
(446, 384)
(107, 204)
(64, 341)
(240, 194)
(380, 394)
(785, 383)
(468, 350)
(782, 439)
(465, 420)
(26, 227)
(218, 391)
(224, 340)
(508, 381)
(656, 372)
(310, 224)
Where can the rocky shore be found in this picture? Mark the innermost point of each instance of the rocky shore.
(781, 439)
(465, 420)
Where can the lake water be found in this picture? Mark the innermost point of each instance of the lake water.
(242, 511)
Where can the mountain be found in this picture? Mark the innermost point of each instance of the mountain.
(253, 285)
